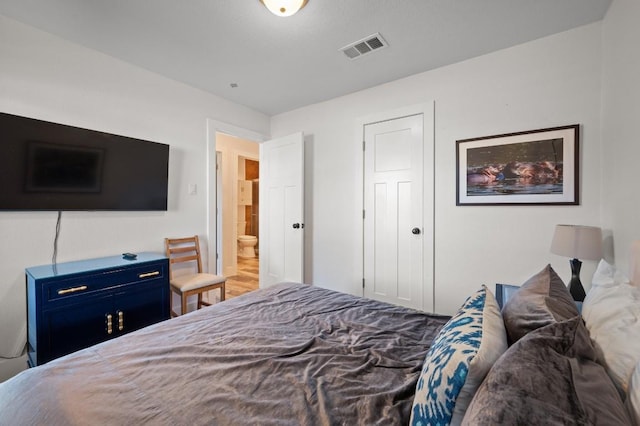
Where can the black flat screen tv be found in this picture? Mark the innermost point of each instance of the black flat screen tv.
(49, 166)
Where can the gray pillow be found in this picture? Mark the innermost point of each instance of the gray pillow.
(549, 377)
(542, 300)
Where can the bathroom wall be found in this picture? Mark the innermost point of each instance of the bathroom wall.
(252, 173)
(248, 172)
(232, 149)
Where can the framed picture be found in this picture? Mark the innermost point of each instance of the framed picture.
(524, 168)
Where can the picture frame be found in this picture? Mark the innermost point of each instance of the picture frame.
(535, 167)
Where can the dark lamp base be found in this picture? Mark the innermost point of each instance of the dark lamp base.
(575, 286)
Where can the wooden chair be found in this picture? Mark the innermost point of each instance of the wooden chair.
(183, 250)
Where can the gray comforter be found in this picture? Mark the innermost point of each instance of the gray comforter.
(289, 355)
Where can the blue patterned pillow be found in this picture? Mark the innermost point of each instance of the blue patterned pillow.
(460, 357)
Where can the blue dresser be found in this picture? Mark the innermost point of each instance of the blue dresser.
(73, 305)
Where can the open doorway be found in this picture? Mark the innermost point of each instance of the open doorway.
(238, 206)
(222, 216)
(248, 255)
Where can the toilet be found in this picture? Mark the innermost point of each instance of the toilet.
(247, 245)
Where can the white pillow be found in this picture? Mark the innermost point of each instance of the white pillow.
(611, 312)
(633, 397)
(607, 275)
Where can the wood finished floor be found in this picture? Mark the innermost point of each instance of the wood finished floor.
(246, 280)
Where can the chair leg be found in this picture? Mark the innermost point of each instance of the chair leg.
(199, 301)
(223, 292)
(171, 302)
(184, 304)
(171, 311)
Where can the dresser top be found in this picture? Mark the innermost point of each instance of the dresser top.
(79, 266)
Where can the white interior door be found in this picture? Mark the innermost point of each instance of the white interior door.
(393, 216)
(282, 210)
(218, 198)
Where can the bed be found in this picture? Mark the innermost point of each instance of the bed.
(295, 354)
(290, 354)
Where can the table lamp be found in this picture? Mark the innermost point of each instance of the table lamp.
(577, 242)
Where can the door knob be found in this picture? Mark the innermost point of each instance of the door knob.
(415, 231)
(296, 226)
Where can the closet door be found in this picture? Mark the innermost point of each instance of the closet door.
(394, 231)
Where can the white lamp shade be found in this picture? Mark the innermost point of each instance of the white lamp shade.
(577, 242)
(284, 7)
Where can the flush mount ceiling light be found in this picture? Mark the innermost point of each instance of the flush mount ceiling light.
(284, 7)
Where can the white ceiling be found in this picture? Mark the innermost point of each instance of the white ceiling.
(280, 64)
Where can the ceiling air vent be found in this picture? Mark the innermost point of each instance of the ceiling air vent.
(365, 46)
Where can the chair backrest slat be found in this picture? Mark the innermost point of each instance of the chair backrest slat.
(182, 249)
(177, 249)
(183, 259)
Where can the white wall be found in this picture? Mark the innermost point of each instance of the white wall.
(620, 134)
(44, 77)
(549, 82)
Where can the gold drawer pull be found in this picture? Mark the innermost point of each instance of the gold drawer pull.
(149, 274)
(120, 320)
(109, 324)
(72, 290)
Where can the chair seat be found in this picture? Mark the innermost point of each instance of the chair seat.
(194, 281)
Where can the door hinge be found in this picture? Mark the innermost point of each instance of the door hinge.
(363, 213)
(363, 283)
(364, 144)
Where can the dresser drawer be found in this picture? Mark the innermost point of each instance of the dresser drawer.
(88, 284)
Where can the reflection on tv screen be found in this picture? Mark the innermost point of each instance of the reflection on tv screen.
(63, 168)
